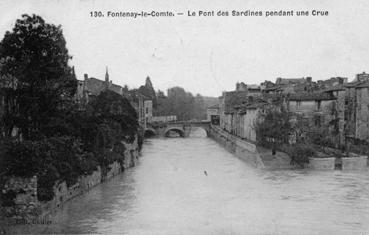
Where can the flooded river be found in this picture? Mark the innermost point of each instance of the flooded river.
(194, 186)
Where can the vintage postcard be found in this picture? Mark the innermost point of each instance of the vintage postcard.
(184, 117)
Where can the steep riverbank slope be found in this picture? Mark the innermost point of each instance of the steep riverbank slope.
(25, 208)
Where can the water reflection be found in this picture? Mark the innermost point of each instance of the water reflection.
(168, 193)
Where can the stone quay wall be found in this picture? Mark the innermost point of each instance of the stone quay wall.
(241, 148)
(25, 205)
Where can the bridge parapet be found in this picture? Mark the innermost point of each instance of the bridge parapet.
(183, 128)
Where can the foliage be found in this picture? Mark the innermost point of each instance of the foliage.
(182, 104)
(34, 67)
(81, 142)
(300, 153)
(7, 199)
(357, 146)
(273, 126)
(59, 142)
(319, 136)
(114, 109)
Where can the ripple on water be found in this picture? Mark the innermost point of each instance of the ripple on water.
(168, 193)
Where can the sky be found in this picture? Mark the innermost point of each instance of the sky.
(206, 55)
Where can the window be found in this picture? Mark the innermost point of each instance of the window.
(147, 110)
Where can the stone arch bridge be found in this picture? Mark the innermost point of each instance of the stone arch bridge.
(163, 129)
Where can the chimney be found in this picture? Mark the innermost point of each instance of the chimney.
(86, 76)
(106, 75)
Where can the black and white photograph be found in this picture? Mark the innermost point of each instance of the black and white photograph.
(184, 117)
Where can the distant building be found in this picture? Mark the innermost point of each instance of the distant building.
(294, 85)
(244, 119)
(91, 86)
(332, 82)
(212, 114)
(148, 111)
(357, 108)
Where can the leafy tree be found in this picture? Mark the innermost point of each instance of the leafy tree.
(60, 141)
(180, 103)
(300, 153)
(113, 108)
(34, 64)
(199, 109)
(273, 127)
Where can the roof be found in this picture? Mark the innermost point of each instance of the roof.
(357, 84)
(253, 105)
(216, 106)
(362, 85)
(340, 87)
(285, 81)
(272, 88)
(234, 98)
(311, 96)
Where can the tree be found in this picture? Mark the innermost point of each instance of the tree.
(273, 127)
(180, 103)
(114, 109)
(199, 108)
(34, 59)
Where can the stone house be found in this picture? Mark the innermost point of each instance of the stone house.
(226, 103)
(294, 85)
(148, 111)
(362, 111)
(319, 110)
(212, 111)
(356, 108)
(341, 107)
(91, 86)
(329, 83)
(245, 117)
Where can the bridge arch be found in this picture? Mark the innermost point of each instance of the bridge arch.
(206, 129)
(149, 132)
(178, 130)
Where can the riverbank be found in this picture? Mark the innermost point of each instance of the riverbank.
(256, 156)
(168, 193)
(25, 208)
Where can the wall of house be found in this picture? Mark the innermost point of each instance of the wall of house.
(248, 124)
(303, 107)
(350, 112)
(148, 110)
(362, 113)
(210, 112)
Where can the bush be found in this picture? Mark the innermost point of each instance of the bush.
(22, 158)
(300, 153)
(7, 199)
(45, 183)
